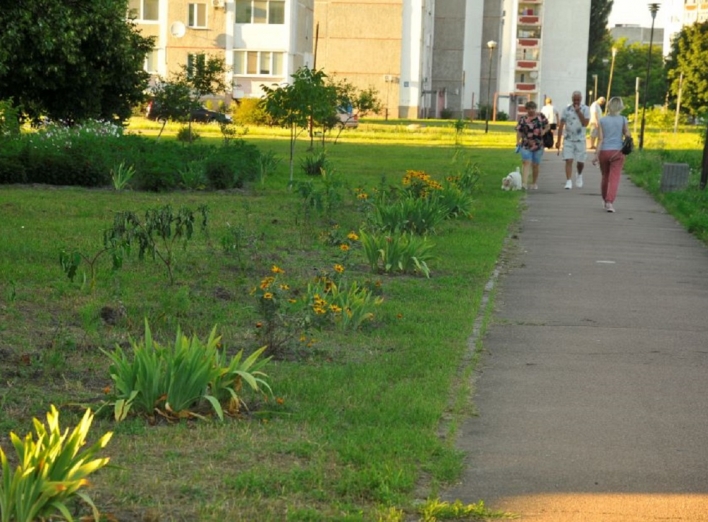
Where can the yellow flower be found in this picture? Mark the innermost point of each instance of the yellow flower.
(266, 282)
(344, 247)
(277, 270)
(268, 295)
(285, 287)
(319, 310)
(353, 236)
(338, 268)
(363, 195)
(335, 309)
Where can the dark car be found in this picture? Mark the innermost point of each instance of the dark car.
(204, 115)
(200, 115)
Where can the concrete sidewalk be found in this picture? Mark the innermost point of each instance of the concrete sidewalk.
(593, 390)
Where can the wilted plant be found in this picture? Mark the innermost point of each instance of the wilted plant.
(185, 379)
(389, 252)
(158, 233)
(51, 471)
(121, 175)
(114, 243)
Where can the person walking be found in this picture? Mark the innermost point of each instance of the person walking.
(595, 115)
(611, 130)
(529, 138)
(571, 133)
(551, 114)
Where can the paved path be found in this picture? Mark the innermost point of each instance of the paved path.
(593, 391)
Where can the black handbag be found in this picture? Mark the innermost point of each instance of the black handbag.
(627, 145)
(548, 140)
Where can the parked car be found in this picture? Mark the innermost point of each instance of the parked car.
(347, 118)
(200, 115)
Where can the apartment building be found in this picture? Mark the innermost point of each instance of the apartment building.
(261, 41)
(427, 58)
(431, 57)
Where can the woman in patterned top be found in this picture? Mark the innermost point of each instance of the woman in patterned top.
(529, 137)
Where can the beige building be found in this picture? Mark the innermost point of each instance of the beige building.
(261, 41)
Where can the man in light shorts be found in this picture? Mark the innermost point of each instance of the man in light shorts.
(595, 115)
(571, 131)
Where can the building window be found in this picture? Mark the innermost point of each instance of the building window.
(150, 10)
(197, 15)
(262, 63)
(260, 11)
(151, 61)
(195, 61)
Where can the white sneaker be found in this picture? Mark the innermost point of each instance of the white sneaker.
(568, 185)
(579, 181)
(609, 207)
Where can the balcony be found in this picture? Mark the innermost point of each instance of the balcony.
(527, 65)
(532, 2)
(526, 87)
(529, 43)
(529, 20)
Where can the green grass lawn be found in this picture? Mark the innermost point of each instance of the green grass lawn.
(361, 425)
(352, 432)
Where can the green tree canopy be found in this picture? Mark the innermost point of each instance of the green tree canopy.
(689, 55)
(630, 64)
(71, 60)
(599, 42)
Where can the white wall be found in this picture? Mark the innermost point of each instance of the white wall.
(564, 55)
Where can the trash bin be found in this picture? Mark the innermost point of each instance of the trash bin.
(674, 176)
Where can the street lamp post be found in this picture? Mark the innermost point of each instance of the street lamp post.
(609, 84)
(491, 44)
(594, 77)
(653, 8)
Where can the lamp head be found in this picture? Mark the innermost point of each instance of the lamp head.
(492, 44)
(653, 8)
(614, 52)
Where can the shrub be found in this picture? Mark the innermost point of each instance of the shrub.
(314, 164)
(409, 214)
(188, 378)
(220, 173)
(187, 134)
(396, 252)
(51, 470)
(249, 112)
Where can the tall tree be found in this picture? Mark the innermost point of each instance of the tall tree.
(72, 60)
(689, 55)
(599, 41)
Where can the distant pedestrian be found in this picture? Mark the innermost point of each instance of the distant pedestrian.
(551, 114)
(571, 133)
(529, 137)
(612, 129)
(595, 115)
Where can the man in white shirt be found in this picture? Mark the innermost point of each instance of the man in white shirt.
(573, 121)
(551, 114)
(595, 115)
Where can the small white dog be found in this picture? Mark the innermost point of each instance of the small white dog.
(512, 181)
